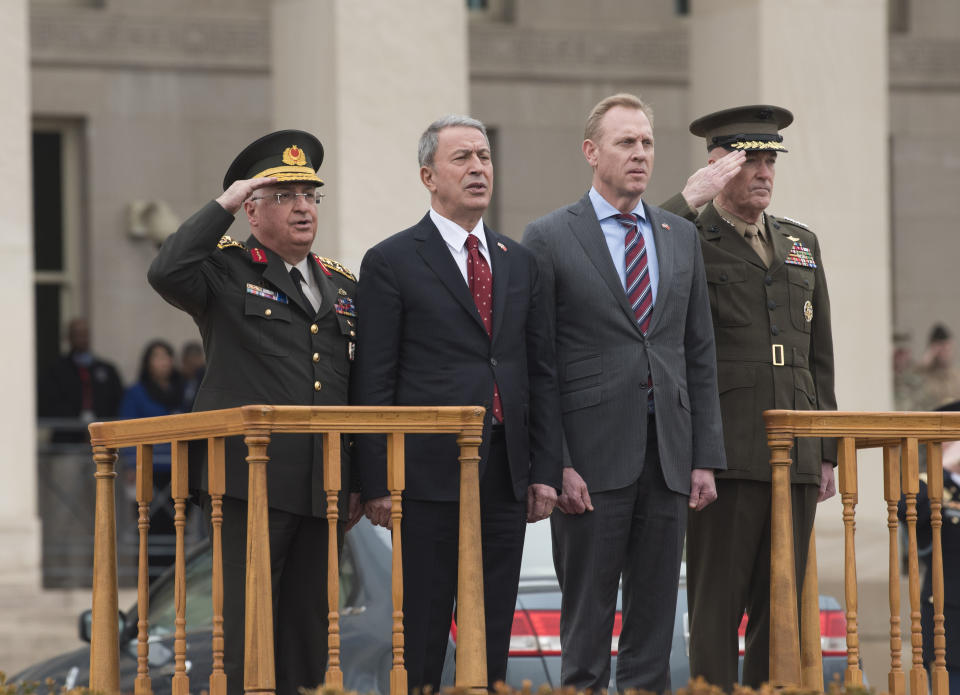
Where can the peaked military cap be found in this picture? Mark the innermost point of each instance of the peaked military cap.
(287, 155)
(747, 128)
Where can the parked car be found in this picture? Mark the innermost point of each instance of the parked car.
(365, 610)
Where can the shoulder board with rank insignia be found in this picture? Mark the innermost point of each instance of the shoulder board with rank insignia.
(325, 269)
(794, 222)
(336, 265)
(227, 242)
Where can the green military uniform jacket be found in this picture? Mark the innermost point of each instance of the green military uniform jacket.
(773, 337)
(264, 344)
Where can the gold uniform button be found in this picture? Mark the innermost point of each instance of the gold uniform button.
(314, 328)
(316, 357)
(352, 333)
(317, 386)
(267, 312)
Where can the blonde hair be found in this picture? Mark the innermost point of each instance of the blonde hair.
(592, 129)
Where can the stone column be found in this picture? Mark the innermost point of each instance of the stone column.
(368, 81)
(19, 525)
(825, 60)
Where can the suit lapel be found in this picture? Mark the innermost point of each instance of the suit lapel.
(781, 243)
(501, 277)
(434, 252)
(666, 258)
(586, 229)
(717, 230)
(276, 273)
(328, 291)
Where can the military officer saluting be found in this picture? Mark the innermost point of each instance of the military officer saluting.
(771, 317)
(278, 325)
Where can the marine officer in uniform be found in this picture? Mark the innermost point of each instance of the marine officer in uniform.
(771, 317)
(278, 326)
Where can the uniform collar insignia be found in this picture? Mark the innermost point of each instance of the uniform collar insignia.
(258, 256)
(326, 271)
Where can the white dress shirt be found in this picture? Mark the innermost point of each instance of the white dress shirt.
(456, 238)
(309, 282)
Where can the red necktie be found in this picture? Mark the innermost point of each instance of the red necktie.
(481, 286)
(86, 389)
(637, 273)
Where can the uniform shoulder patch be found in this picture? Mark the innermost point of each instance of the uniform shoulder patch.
(792, 221)
(337, 266)
(227, 242)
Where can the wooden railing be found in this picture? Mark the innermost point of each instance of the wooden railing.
(256, 424)
(899, 435)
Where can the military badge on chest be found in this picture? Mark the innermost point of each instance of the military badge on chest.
(799, 255)
(347, 317)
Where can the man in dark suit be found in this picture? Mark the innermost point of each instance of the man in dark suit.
(434, 332)
(771, 316)
(79, 385)
(626, 295)
(277, 323)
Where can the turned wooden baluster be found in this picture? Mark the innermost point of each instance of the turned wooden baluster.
(179, 489)
(784, 635)
(471, 626)
(144, 491)
(940, 683)
(847, 465)
(331, 484)
(896, 679)
(259, 674)
(909, 483)
(216, 486)
(811, 652)
(396, 483)
(104, 640)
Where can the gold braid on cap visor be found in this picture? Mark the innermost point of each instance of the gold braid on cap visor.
(290, 173)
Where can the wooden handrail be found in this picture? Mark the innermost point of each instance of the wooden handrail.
(257, 424)
(899, 436)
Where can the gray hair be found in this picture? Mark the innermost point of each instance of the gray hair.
(427, 147)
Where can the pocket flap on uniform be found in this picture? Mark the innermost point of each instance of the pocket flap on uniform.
(583, 398)
(265, 308)
(587, 366)
(725, 274)
(731, 377)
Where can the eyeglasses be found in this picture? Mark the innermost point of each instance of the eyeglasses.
(285, 198)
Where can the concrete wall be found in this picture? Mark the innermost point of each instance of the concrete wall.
(18, 521)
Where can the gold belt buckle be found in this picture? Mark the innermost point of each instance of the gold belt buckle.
(777, 355)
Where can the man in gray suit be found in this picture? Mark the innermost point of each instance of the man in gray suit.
(624, 286)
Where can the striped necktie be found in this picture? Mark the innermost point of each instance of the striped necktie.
(637, 273)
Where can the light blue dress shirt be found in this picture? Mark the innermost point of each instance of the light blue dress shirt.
(615, 234)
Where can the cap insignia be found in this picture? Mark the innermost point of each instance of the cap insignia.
(336, 265)
(294, 156)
